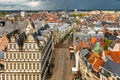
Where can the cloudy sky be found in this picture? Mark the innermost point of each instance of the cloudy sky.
(58, 4)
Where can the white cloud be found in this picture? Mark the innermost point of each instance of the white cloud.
(25, 4)
(20, 2)
(17, 4)
(33, 3)
(12, 1)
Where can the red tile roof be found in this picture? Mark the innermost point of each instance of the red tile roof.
(96, 61)
(92, 57)
(81, 45)
(4, 42)
(54, 21)
(93, 40)
(99, 62)
(115, 55)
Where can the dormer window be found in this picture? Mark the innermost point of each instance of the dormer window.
(10, 46)
(33, 46)
(30, 46)
(26, 46)
(14, 46)
(12, 39)
(42, 43)
(30, 38)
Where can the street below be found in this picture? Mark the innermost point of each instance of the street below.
(62, 63)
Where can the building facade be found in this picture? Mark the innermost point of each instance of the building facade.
(61, 31)
(96, 63)
(28, 55)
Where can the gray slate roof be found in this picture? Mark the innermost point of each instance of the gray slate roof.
(2, 31)
(1, 55)
(112, 66)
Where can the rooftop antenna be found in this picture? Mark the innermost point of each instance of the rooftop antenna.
(67, 7)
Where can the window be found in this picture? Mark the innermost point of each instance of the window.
(14, 55)
(33, 65)
(26, 66)
(38, 56)
(29, 56)
(26, 77)
(18, 55)
(14, 46)
(33, 56)
(37, 77)
(22, 56)
(6, 65)
(30, 77)
(7, 75)
(10, 76)
(29, 65)
(26, 46)
(10, 46)
(10, 55)
(10, 65)
(14, 65)
(26, 56)
(14, 76)
(30, 46)
(22, 77)
(18, 77)
(33, 46)
(22, 66)
(33, 77)
(18, 65)
(37, 65)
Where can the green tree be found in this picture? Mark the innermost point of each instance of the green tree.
(2, 14)
(107, 43)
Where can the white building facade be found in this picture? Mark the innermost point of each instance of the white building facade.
(28, 55)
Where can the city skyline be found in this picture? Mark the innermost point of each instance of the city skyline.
(58, 4)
